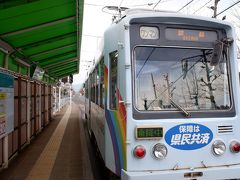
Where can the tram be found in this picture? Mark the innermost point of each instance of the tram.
(162, 101)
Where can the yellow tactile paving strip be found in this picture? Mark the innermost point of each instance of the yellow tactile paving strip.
(44, 165)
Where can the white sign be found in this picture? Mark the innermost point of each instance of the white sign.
(6, 104)
(147, 32)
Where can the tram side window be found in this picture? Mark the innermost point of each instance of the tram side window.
(101, 75)
(113, 80)
(86, 89)
(90, 87)
(96, 85)
(93, 87)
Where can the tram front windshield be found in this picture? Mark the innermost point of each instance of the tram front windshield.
(164, 75)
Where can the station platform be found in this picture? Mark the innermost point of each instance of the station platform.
(58, 152)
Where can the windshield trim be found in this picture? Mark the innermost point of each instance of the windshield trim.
(174, 113)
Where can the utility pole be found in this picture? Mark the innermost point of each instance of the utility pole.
(168, 88)
(154, 87)
(214, 8)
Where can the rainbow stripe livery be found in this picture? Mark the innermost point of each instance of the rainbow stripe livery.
(116, 121)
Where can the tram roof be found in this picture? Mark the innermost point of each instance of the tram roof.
(46, 33)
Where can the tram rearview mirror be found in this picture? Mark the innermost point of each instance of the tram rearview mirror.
(217, 53)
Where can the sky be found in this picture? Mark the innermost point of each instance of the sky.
(95, 22)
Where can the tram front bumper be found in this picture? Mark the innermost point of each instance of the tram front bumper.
(226, 172)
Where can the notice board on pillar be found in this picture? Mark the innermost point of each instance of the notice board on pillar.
(6, 104)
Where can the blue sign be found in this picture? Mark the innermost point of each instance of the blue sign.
(6, 81)
(189, 136)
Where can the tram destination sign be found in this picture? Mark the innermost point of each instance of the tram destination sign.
(149, 132)
(190, 35)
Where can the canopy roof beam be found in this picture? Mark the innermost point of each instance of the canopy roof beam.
(52, 50)
(60, 63)
(65, 74)
(67, 70)
(62, 74)
(63, 68)
(60, 67)
(6, 48)
(38, 27)
(60, 60)
(56, 56)
(49, 40)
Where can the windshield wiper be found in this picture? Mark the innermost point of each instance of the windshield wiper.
(187, 114)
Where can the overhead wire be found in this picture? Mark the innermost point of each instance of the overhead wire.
(227, 8)
(185, 5)
(148, 4)
(167, 1)
(120, 3)
(156, 4)
(90, 4)
(202, 6)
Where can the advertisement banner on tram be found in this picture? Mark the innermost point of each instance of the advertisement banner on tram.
(189, 136)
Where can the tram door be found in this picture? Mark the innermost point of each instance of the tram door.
(111, 106)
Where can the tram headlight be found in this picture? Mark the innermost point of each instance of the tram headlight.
(160, 151)
(218, 147)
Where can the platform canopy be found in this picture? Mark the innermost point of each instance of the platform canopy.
(43, 33)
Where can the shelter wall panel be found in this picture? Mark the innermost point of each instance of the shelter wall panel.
(15, 141)
(37, 124)
(33, 110)
(32, 128)
(23, 134)
(32, 107)
(1, 151)
(46, 102)
(43, 88)
(37, 107)
(23, 88)
(15, 113)
(12, 64)
(46, 89)
(32, 89)
(43, 118)
(50, 102)
(37, 89)
(24, 71)
(42, 104)
(1, 59)
(43, 113)
(15, 87)
(46, 118)
(37, 104)
(46, 107)
(10, 144)
(23, 110)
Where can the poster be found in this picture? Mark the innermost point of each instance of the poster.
(6, 104)
(38, 74)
